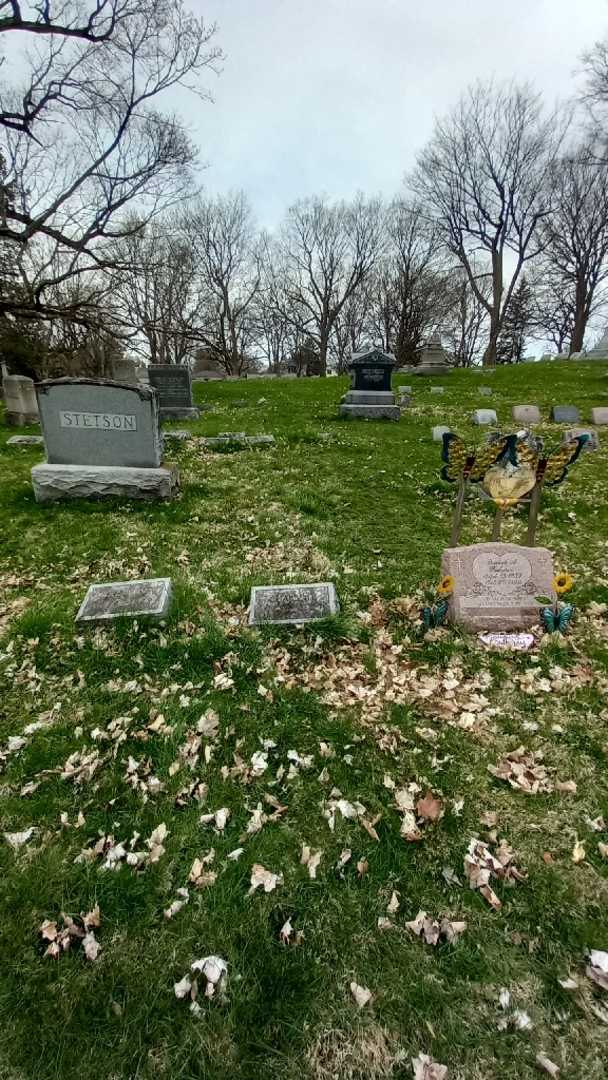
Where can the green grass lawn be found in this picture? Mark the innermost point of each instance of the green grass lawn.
(362, 703)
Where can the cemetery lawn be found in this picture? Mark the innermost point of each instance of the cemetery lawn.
(363, 703)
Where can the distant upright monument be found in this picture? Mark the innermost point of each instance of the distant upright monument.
(433, 360)
(600, 350)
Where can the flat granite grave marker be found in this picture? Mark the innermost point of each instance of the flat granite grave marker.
(20, 400)
(565, 414)
(495, 585)
(437, 390)
(174, 385)
(485, 391)
(526, 414)
(599, 415)
(226, 437)
(484, 416)
(134, 599)
(102, 438)
(292, 603)
(593, 442)
(25, 440)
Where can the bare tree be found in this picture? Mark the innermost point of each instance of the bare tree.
(465, 319)
(577, 239)
(154, 291)
(82, 135)
(328, 250)
(484, 179)
(222, 234)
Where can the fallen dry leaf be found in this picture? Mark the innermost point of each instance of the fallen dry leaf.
(361, 994)
(547, 1065)
(430, 808)
(310, 860)
(264, 879)
(424, 1068)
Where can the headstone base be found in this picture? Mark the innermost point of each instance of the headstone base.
(431, 369)
(369, 397)
(371, 412)
(176, 413)
(54, 482)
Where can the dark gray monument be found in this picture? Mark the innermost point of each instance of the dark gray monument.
(565, 414)
(292, 603)
(370, 395)
(101, 438)
(174, 385)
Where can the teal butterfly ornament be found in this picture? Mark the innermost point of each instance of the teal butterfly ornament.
(434, 615)
(557, 621)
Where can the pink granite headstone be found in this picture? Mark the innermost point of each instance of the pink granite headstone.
(495, 585)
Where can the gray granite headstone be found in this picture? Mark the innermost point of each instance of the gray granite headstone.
(526, 414)
(599, 415)
(496, 584)
(131, 599)
(484, 416)
(292, 603)
(99, 422)
(174, 385)
(19, 400)
(437, 390)
(439, 431)
(565, 414)
(485, 391)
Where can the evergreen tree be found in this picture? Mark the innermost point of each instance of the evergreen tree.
(516, 325)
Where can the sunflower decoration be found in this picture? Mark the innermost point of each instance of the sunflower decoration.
(562, 583)
(557, 617)
(446, 585)
(435, 612)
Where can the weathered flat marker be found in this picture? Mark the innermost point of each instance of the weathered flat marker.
(25, 440)
(292, 603)
(131, 599)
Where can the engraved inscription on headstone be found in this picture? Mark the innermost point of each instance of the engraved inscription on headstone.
(105, 421)
(133, 599)
(495, 585)
(292, 603)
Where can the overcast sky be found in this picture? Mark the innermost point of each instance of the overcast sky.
(338, 95)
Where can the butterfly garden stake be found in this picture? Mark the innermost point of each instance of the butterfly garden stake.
(463, 465)
(551, 470)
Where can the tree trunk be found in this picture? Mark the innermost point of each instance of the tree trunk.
(580, 319)
(323, 344)
(489, 356)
